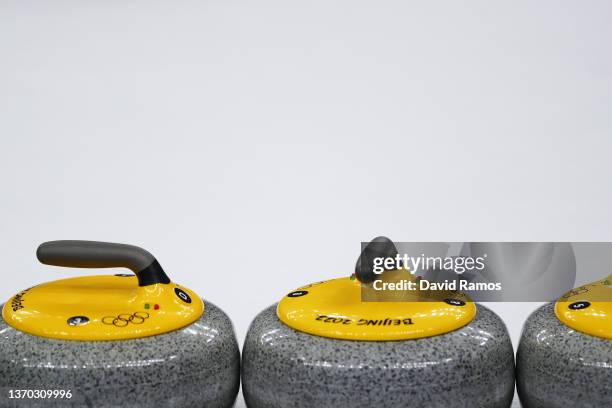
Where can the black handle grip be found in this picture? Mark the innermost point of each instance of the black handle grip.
(381, 247)
(94, 254)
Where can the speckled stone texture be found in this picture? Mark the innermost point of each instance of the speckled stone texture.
(560, 367)
(197, 366)
(470, 367)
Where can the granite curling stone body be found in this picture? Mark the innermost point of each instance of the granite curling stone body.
(115, 340)
(564, 357)
(322, 346)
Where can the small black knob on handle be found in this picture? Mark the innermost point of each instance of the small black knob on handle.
(94, 254)
(379, 247)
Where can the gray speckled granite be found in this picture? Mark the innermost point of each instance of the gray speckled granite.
(470, 367)
(197, 366)
(560, 367)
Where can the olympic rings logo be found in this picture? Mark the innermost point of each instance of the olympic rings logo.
(124, 319)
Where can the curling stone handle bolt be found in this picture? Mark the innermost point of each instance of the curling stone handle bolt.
(378, 247)
(94, 254)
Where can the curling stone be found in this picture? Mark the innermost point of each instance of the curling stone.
(564, 357)
(324, 346)
(114, 340)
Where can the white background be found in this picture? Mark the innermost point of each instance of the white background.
(251, 145)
